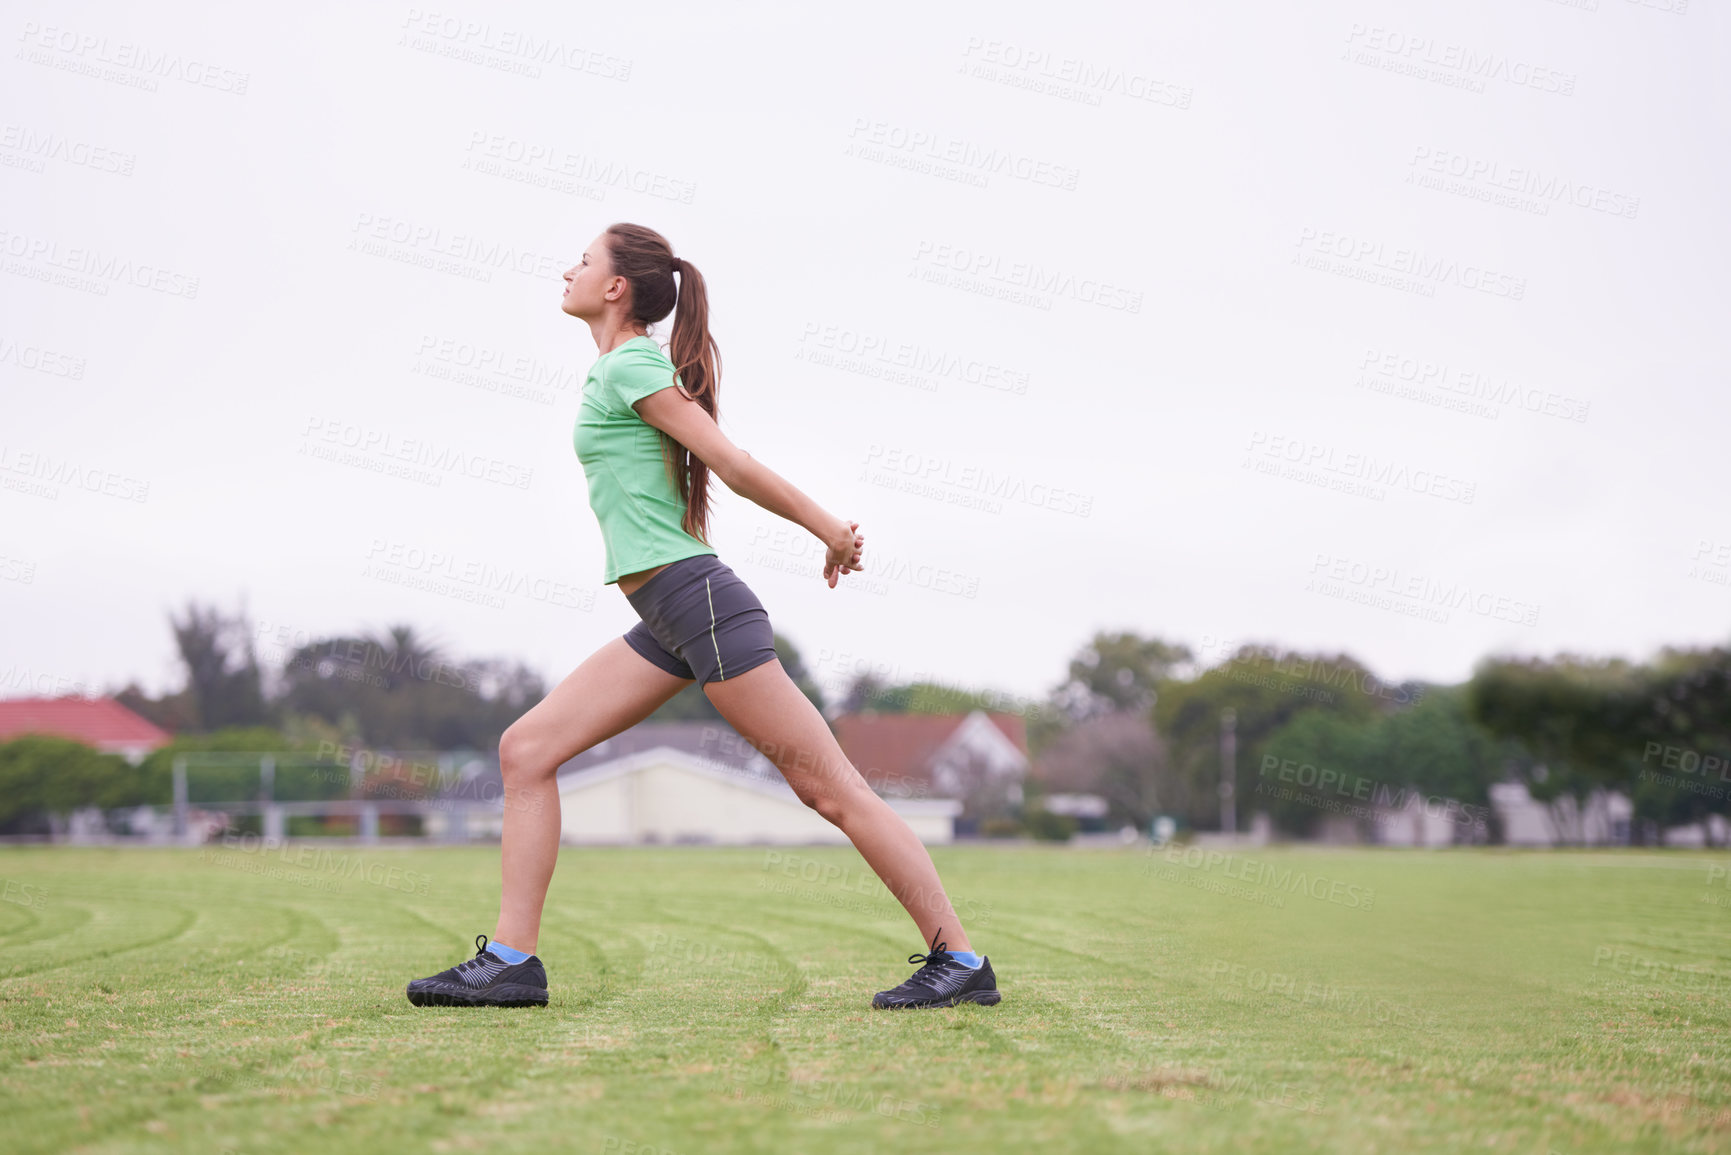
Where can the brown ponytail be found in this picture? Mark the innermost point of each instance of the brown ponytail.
(644, 258)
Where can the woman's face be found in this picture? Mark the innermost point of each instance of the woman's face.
(586, 282)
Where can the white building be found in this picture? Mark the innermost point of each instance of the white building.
(1714, 832)
(668, 795)
(1602, 821)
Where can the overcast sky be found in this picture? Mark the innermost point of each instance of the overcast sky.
(1398, 329)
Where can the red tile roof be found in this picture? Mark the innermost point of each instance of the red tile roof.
(895, 750)
(99, 722)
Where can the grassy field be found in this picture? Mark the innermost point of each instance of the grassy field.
(705, 1000)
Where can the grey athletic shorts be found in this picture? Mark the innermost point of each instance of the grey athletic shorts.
(700, 621)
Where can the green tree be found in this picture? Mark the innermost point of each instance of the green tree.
(42, 775)
(397, 690)
(1266, 688)
(1120, 671)
(1594, 723)
(222, 670)
(1432, 749)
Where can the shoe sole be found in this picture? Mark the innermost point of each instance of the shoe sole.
(509, 996)
(983, 998)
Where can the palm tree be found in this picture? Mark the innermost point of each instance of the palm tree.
(402, 655)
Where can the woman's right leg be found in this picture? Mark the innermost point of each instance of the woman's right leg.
(613, 690)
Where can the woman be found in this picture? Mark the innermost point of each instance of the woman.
(647, 439)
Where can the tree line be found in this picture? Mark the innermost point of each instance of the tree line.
(1136, 720)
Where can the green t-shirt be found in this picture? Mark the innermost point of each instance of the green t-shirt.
(635, 501)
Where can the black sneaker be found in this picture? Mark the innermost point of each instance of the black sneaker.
(484, 981)
(942, 982)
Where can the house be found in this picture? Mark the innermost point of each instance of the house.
(101, 723)
(1602, 821)
(667, 795)
(696, 782)
(978, 757)
(1712, 832)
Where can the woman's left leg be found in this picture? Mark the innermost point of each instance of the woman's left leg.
(768, 711)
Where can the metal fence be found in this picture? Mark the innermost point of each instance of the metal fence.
(455, 796)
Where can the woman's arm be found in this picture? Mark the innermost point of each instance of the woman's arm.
(688, 423)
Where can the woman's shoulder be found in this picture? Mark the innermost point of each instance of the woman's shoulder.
(645, 351)
(638, 368)
(635, 358)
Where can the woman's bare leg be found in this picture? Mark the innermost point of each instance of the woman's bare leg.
(613, 690)
(768, 710)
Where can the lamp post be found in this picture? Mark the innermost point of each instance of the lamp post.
(1228, 770)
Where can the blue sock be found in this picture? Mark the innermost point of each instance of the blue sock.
(966, 957)
(509, 954)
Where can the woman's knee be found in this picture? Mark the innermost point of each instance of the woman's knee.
(521, 757)
(836, 800)
(830, 808)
